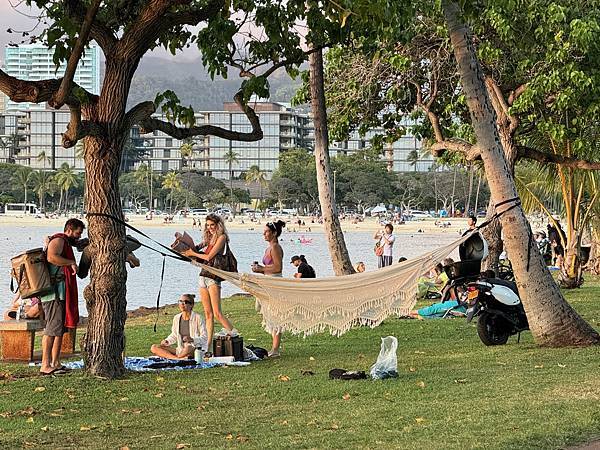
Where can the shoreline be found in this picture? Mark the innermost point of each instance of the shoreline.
(369, 224)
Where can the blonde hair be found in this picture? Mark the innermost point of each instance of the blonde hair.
(221, 230)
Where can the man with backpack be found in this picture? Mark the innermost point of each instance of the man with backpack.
(60, 305)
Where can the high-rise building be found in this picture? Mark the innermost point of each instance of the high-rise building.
(39, 143)
(34, 62)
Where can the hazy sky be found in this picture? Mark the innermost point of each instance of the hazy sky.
(9, 18)
(23, 19)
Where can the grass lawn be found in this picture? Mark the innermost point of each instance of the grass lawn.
(453, 392)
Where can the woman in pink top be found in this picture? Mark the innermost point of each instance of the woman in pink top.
(272, 265)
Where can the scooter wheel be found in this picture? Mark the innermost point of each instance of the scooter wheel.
(491, 330)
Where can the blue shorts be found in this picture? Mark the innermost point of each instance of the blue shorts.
(205, 282)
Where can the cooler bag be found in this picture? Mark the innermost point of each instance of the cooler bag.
(229, 346)
(30, 271)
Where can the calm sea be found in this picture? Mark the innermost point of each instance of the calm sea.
(248, 246)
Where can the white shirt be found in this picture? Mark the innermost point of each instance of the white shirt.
(387, 248)
(197, 332)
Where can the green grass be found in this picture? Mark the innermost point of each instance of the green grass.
(452, 392)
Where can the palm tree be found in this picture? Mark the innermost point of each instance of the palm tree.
(144, 174)
(10, 143)
(42, 182)
(22, 177)
(43, 157)
(187, 151)
(78, 152)
(413, 158)
(255, 175)
(335, 238)
(574, 195)
(65, 180)
(173, 183)
(230, 158)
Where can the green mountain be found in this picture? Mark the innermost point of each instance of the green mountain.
(191, 83)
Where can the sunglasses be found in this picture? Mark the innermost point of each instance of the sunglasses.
(185, 302)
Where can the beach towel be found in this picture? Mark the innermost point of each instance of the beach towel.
(71, 300)
(143, 364)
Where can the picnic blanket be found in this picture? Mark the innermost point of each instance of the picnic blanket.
(140, 364)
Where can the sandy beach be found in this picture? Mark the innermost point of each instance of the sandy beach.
(243, 223)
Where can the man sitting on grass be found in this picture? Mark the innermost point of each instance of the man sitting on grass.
(188, 332)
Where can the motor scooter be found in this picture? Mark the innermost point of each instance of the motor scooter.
(498, 308)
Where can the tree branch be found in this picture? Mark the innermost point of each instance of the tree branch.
(470, 151)
(516, 93)
(148, 124)
(59, 97)
(99, 32)
(39, 91)
(155, 20)
(78, 129)
(551, 158)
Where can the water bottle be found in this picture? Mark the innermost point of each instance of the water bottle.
(198, 355)
(20, 310)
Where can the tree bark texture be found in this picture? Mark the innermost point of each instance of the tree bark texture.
(335, 238)
(105, 296)
(552, 320)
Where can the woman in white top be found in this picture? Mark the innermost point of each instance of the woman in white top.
(188, 332)
(386, 240)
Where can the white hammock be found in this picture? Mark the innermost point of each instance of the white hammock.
(336, 304)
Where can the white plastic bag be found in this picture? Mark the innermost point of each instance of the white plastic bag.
(386, 365)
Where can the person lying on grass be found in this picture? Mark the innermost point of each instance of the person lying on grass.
(188, 332)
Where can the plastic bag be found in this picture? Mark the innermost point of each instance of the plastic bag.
(386, 365)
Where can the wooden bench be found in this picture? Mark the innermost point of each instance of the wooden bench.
(17, 338)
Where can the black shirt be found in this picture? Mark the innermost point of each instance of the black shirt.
(306, 270)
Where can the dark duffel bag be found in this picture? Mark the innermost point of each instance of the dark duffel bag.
(229, 346)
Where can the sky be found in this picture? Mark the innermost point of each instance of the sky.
(9, 18)
(23, 19)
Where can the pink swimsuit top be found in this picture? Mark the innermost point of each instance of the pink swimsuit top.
(267, 259)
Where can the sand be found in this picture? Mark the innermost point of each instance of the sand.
(241, 223)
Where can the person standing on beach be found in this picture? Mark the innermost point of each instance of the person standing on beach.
(214, 240)
(60, 305)
(386, 240)
(272, 265)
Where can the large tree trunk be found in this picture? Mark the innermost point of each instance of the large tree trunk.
(552, 320)
(335, 238)
(570, 273)
(106, 294)
(506, 127)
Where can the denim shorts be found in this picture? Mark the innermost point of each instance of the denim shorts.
(205, 282)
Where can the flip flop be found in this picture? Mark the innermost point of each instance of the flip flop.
(64, 368)
(60, 371)
(46, 374)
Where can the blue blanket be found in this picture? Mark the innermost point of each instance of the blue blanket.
(139, 364)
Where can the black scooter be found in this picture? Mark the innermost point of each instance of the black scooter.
(499, 310)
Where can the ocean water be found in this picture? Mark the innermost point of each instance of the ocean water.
(248, 246)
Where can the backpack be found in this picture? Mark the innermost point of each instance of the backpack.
(30, 271)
